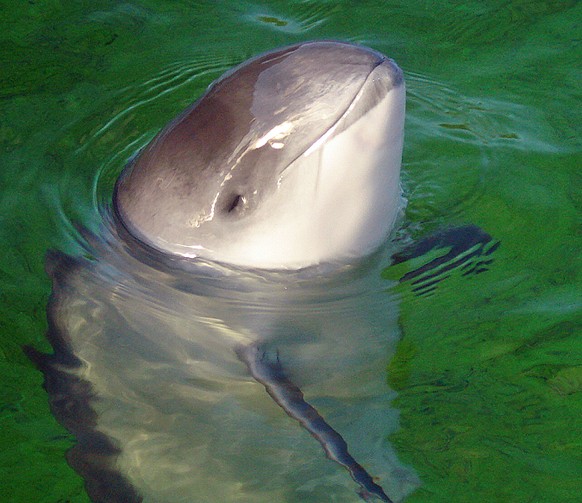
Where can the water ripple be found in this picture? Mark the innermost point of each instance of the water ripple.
(167, 81)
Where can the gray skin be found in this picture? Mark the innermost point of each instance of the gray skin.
(198, 183)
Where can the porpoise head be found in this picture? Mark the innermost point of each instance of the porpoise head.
(289, 160)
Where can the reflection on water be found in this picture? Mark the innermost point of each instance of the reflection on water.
(156, 342)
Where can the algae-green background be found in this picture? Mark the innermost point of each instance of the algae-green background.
(489, 368)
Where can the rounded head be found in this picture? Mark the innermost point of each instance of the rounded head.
(288, 160)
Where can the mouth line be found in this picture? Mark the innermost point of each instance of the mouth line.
(332, 129)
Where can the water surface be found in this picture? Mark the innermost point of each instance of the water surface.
(488, 370)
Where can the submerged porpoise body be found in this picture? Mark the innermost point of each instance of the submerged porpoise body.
(231, 264)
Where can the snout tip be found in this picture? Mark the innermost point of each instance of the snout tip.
(391, 71)
(352, 56)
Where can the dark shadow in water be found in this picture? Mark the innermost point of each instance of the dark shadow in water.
(70, 401)
(469, 247)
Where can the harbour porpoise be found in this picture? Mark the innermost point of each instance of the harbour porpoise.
(234, 261)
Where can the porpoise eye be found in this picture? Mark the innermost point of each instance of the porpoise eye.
(234, 202)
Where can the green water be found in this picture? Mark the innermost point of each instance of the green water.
(489, 367)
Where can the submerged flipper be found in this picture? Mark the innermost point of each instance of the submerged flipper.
(290, 398)
(468, 248)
